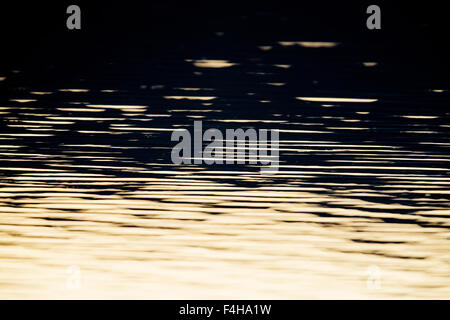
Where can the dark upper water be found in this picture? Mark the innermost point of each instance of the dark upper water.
(358, 209)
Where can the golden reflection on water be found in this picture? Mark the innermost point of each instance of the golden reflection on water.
(211, 240)
(188, 235)
(361, 184)
(209, 63)
(320, 99)
(309, 44)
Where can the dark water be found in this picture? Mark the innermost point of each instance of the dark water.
(358, 209)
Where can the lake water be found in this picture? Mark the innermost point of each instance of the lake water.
(91, 205)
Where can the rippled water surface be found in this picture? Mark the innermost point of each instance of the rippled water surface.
(361, 196)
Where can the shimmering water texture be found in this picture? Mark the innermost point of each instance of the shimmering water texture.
(92, 207)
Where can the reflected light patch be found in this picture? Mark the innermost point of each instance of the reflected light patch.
(420, 117)
(74, 90)
(283, 66)
(370, 64)
(206, 63)
(23, 100)
(323, 99)
(189, 97)
(309, 44)
(41, 93)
